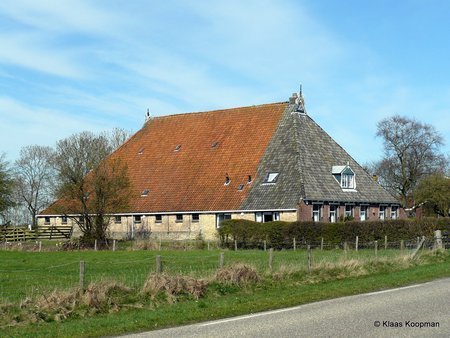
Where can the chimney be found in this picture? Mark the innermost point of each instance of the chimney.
(293, 98)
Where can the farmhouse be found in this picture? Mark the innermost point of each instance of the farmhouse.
(266, 162)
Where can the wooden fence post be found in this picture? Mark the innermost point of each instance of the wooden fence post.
(95, 245)
(321, 244)
(208, 245)
(308, 248)
(114, 245)
(402, 245)
(82, 276)
(160, 244)
(270, 259)
(221, 259)
(385, 243)
(295, 244)
(418, 241)
(235, 245)
(376, 248)
(40, 246)
(356, 243)
(159, 267)
(265, 245)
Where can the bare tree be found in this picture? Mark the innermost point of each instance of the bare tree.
(34, 175)
(91, 184)
(411, 152)
(116, 137)
(6, 187)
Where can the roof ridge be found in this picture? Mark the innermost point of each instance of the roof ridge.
(219, 110)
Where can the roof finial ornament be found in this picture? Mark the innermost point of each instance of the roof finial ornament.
(147, 115)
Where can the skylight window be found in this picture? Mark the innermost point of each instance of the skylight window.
(145, 193)
(214, 144)
(141, 151)
(178, 147)
(249, 179)
(240, 187)
(227, 180)
(271, 177)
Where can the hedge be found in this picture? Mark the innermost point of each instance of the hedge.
(280, 234)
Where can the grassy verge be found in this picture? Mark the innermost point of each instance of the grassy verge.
(275, 290)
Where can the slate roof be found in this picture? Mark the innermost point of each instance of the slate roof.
(304, 155)
(183, 161)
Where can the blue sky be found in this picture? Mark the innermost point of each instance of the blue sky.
(72, 65)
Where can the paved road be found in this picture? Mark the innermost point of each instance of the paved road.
(367, 315)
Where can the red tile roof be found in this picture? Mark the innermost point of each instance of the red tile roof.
(192, 178)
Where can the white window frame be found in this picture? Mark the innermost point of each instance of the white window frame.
(394, 212)
(382, 212)
(222, 217)
(316, 212)
(348, 181)
(259, 216)
(363, 211)
(333, 212)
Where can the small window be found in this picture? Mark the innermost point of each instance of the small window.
(141, 151)
(195, 217)
(249, 179)
(348, 211)
(227, 180)
(137, 218)
(394, 212)
(220, 218)
(81, 219)
(214, 145)
(333, 213)
(64, 220)
(317, 212)
(47, 220)
(158, 218)
(179, 218)
(178, 147)
(382, 212)
(363, 213)
(271, 177)
(267, 216)
(240, 187)
(145, 193)
(117, 219)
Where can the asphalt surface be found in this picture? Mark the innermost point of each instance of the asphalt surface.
(421, 310)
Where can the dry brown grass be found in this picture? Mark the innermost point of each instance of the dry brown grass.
(238, 274)
(174, 286)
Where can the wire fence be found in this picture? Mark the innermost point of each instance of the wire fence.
(29, 269)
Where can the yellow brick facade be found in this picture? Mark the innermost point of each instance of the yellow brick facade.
(128, 226)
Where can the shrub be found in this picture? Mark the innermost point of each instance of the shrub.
(280, 234)
(238, 274)
(174, 286)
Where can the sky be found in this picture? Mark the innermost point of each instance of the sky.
(73, 65)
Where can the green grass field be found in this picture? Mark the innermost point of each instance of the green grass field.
(336, 274)
(25, 274)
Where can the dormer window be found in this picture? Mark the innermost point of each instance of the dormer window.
(145, 193)
(271, 177)
(345, 176)
(240, 187)
(249, 179)
(178, 147)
